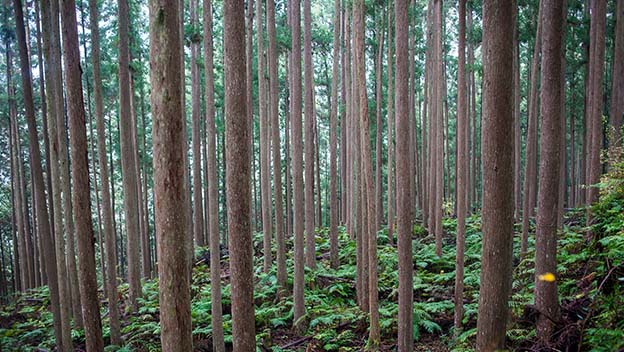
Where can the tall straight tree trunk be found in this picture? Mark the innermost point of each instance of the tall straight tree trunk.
(107, 211)
(265, 181)
(65, 301)
(16, 223)
(81, 199)
(462, 170)
(275, 134)
(596, 64)
(378, 147)
(310, 252)
(170, 188)
(297, 164)
(249, 102)
(46, 135)
(531, 148)
(517, 128)
(617, 87)
(127, 158)
(404, 203)
(144, 241)
(369, 223)
(497, 144)
(91, 150)
(213, 187)
(198, 211)
(343, 121)
(563, 126)
(390, 120)
(35, 153)
(439, 127)
(550, 146)
(19, 244)
(572, 200)
(333, 131)
(243, 330)
(68, 220)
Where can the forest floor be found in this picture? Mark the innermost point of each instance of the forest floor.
(590, 274)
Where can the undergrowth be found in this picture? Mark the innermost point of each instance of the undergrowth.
(590, 274)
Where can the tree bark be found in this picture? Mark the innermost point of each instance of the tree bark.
(265, 170)
(530, 173)
(50, 51)
(110, 239)
(297, 164)
(333, 131)
(310, 252)
(198, 211)
(497, 149)
(390, 120)
(378, 125)
(597, 55)
(462, 171)
(213, 187)
(404, 203)
(369, 222)
(128, 159)
(550, 158)
(35, 154)
(275, 132)
(243, 329)
(81, 199)
(170, 187)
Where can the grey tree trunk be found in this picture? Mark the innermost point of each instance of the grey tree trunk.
(213, 186)
(549, 172)
(404, 203)
(297, 165)
(237, 178)
(170, 182)
(110, 239)
(81, 199)
(497, 154)
(35, 153)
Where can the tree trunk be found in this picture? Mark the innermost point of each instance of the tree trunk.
(333, 130)
(404, 203)
(297, 165)
(369, 221)
(107, 211)
(81, 199)
(170, 188)
(198, 211)
(53, 61)
(243, 330)
(439, 124)
(517, 128)
(265, 170)
(497, 149)
(275, 131)
(462, 171)
(35, 153)
(390, 120)
(213, 187)
(550, 158)
(378, 126)
(531, 148)
(127, 159)
(67, 213)
(310, 252)
(596, 62)
(46, 138)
